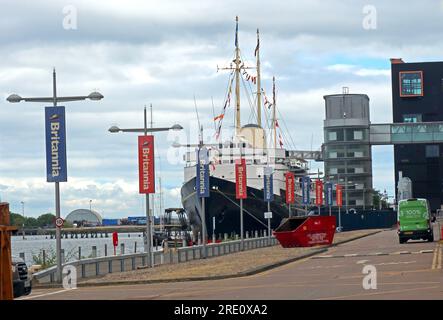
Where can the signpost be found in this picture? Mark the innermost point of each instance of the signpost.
(268, 194)
(146, 176)
(241, 192)
(339, 199)
(318, 194)
(329, 196)
(59, 222)
(55, 132)
(290, 190)
(202, 187)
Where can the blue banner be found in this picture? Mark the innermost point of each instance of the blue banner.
(268, 188)
(202, 177)
(329, 196)
(55, 144)
(305, 189)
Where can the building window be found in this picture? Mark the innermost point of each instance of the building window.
(358, 135)
(333, 136)
(411, 83)
(412, 118)
(432, 151)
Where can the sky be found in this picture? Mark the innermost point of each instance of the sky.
(166, 53)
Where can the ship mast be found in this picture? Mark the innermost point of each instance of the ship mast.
(257, 52)
(237, 78)
(273, 113)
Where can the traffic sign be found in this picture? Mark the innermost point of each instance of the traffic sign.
(59, 222)
(268, 215)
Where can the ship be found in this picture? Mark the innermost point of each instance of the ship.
(260, 147)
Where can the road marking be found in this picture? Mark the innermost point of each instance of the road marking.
(46, 294)
(401, 252)
(377, 293)
(351, 255)
(426, 251)
(362, 261)
(436, 261)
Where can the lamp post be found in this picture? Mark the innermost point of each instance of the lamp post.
(15, 98)
(145, 130)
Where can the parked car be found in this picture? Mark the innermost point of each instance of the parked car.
(20, 277)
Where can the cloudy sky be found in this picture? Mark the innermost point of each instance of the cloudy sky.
(166, 53)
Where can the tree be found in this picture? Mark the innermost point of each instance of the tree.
(16, 219)
(46, 220)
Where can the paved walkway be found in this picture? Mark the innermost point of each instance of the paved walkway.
(222, 266)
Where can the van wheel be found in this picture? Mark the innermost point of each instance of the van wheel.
(402, 240)
(431, 238)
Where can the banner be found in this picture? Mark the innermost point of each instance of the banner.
(318, 192)
(55, 144)
(329, 196)
(240, 179)
(268, 188)
(305, 189)
(146, 164)
(202, 177)
(290, 188)
(339, 195)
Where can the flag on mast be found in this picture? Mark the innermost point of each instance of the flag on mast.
(258, 45)
(236, 31)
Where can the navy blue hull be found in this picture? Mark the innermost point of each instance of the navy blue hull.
(223, 205)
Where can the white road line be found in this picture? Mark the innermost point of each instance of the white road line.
(426, 251)
(439, 253)
(362, 261)
(46, 294)
(351, 255)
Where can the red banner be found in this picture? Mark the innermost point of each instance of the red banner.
(318, 193)
(339, 195)
(290, 188)
(146, 164)
(240, 179)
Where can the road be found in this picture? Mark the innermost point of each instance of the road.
(407, 271)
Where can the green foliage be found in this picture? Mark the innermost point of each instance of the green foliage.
(46, 220)
(43, 221)
(49, 258)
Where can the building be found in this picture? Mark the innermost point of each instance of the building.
(347, 151)
(84, 217)
(417, 96)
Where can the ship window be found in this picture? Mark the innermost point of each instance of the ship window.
(411, 83)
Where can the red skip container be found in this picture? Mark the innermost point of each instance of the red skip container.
(306, 231)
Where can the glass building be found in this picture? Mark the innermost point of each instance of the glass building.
(417, 97)
(347, 151)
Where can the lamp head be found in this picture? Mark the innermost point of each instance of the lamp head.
(114, 129)
(95, 96)
(14, 98)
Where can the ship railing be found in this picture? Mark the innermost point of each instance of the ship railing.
(100, 266)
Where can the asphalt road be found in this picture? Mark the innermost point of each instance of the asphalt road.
(408, 271)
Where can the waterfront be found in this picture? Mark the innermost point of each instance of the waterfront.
(32, 245)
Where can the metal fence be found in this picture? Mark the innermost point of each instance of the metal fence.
(93, 267)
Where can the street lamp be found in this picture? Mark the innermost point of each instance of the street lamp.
(15, 98)
(145, 130)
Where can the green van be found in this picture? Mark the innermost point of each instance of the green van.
(414, 220)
